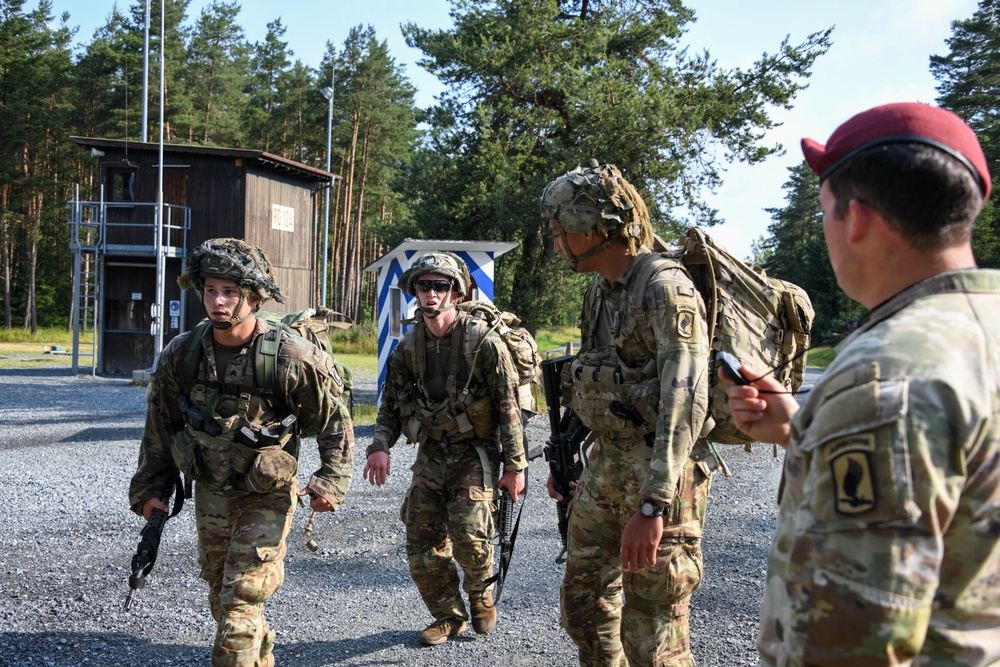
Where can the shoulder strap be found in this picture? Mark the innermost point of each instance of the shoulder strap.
(651, 265)
(266, 358)
(192, 353)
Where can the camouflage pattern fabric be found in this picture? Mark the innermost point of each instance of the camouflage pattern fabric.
(449, 517)
(241, 550)
(308, 386)
(887, 550)
(652, 627)
(448, 510)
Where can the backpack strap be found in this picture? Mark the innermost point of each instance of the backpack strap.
(651, 265)
(266, 359)
(191, 359)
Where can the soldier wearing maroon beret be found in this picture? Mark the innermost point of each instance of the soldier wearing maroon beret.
(887, 549)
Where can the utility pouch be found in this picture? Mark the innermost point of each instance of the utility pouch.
(209, 458)
(598, 380)
(483, 417)
(272, 469)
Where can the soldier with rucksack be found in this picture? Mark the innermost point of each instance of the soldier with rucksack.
(452, 387)
(641, 384)
(215, 418)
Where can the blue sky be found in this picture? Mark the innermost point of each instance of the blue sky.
(880, 54)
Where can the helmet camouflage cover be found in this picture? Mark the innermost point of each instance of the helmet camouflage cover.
(597, 199)
(231, 259)
(442, 263)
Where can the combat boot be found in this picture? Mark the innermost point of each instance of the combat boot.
(484, 613)
(439, 631)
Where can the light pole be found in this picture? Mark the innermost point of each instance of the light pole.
(328, 94)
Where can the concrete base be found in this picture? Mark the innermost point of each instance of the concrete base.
(141, 378)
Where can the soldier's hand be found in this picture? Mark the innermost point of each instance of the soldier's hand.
(640, 540)
(150, 505)
(377, 467)
(550, 486)
(513, 482)
(316, 501)
(762, 409)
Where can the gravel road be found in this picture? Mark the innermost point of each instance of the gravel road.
(68, 447)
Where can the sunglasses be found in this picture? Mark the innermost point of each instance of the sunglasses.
(439, 286)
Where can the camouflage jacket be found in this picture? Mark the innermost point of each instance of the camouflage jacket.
(676, 313)
(887, 549)
(309, 387)
(493, 375)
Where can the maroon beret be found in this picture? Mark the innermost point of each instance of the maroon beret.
(904, 122)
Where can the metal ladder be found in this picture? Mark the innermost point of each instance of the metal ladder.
(87, 240)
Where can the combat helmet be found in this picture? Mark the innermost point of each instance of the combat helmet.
(236, 260)
(596, 199)
(443, 263)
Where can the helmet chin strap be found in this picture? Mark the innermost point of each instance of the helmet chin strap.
(435, 312)
(235, 319)
(574, 259)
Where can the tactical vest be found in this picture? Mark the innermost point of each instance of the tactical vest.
(608, 395)
(466, 412)
(235, 452)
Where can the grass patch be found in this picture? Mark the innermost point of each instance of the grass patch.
(820, 357)
(44, 336)
(554, 341)
(364, 414)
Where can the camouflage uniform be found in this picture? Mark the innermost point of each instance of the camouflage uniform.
(448, 510)
(887, 547)
(241, 533)
(652, 627)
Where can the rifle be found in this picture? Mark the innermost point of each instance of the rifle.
(149, 538)
(563, 448)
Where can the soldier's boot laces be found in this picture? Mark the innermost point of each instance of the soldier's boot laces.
(484, 613)
(439, 631)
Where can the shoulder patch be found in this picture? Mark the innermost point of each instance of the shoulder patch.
(851, 467)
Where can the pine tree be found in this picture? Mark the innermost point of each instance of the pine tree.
(537, 87)
(795, 251)
(969, 84)
(215, 76)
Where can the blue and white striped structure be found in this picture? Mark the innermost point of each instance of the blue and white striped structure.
(395, 305)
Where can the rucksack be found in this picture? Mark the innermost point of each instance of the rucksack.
(302, 323)
(520, 343)
(315, 328)
(764, 321)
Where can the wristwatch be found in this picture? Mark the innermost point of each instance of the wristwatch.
(649, 509)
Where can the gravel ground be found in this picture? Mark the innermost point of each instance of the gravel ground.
(68, 447)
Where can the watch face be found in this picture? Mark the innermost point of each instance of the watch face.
(649, 509)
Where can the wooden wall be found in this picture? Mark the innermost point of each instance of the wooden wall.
(291, 252)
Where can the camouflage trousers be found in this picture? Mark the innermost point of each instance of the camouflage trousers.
(241, 550)
(448, 515)
(651, 628)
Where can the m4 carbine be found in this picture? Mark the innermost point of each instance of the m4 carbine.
(563, 448)
(149, 538)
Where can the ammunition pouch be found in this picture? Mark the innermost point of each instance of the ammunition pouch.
(599, 379)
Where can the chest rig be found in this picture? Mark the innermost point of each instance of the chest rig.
(461, 412)
(616, 389)
(235, 427)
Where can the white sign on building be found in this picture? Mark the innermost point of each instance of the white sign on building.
(282, 218)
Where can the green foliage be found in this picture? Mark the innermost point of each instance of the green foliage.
(359, 339)
(821, 357)
(795, 250)
(969, 84)
(537, 87)
(43, 335)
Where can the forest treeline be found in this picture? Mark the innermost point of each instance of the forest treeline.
(533, 87)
